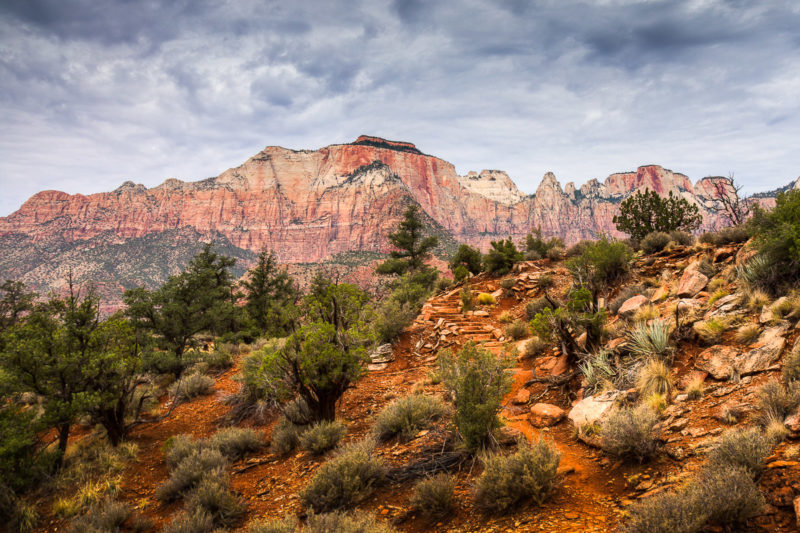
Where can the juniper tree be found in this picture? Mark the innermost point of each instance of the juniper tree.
(412, 246)
(271, 296)
(646, 212)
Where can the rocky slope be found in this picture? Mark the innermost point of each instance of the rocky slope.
(311, 205)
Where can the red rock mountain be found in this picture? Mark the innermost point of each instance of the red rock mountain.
(306, 205)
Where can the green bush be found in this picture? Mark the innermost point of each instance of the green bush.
(322, 436)
(442, 284)
(777, 236)
(517, 330)
(460, 273)
(179, 447)
(507, 284)
(745, 448)
(529, 475)
(501, 257)
(535, 243)
(408, 415)
(235, 443)
(578, 248)
(108, 515)
(433, 497)
(730, 495)
(598, 369)
(190, 471)
(355, 522)
(346, 479)
(484, 298)
(603, 262)
(477, 382)
(467, 299)
(221, 357)
(285, 436)
(214, 497)
(630, 433)
(392, 318)
(655, 242)
(467, 257)
(535, 346)
(729, 235)
(19, 467)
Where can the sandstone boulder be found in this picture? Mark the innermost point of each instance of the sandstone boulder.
(631, 305)
(692, 281)
(546, 415)
(593, 409)
(717, 361)
(522, 397)
(661, 294)
(723, 362)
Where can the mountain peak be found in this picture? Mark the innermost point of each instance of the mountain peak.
(378, 142)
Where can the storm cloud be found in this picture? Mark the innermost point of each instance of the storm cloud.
(96, 92)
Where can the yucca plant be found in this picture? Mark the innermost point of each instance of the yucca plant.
(651, 340)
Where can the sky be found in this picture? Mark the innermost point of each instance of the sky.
(97, 92)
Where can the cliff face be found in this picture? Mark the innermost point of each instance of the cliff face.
(308, 206)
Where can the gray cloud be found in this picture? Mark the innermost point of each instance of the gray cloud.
(96, 92)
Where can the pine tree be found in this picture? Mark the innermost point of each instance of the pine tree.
(271, 296)
(646, 212)
(413, 248)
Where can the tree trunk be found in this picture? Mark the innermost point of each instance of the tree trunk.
(63, 439)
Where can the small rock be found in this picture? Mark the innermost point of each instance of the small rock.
(593, 409)
(522, 397)
(692, 281)
(546, 415)
(631, 305)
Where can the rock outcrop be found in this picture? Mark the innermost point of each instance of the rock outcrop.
(313, 205)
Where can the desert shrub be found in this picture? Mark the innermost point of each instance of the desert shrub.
(235, 443)
(567, 323)
(477, 381)
(536, 306)
(710, 331)
(729, 494)
(221, 357)
(501, 257)
(214, 497)
(198, 521)
(535, 346)
(191, 386)
(285, 436)
(655, 242)
(776, 236)
(106, 516)
(657, 402)
(190, 471)
(484, 298)
(761, 273)
(729, 235)
(467, 299)
(731, 414)
(517, 330)
(529, 475)
(288, 524)
(745, 448)
(507, 284)
(630, 433)
(505, 318)
(322, 436)
(535, 243)
(344, 480)
(433, 497)
(602, 262)
(467, 257)
(577, 249)
(392, 318)
(645, 313)
(545, 281)
(677, 511)
(717, 294)
(532, 255)
(776, 401)
(791, 365)
(252, 399)
(442, 284)
(655, 377)
(405, 416)
(748, 333)
(598, 369)
(682, 238)
(624, 295)
(179, 447)
(355, 522)
(650, 340)
(556, 254)
(695, 388)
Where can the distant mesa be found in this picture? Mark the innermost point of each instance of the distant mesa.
(378, 142)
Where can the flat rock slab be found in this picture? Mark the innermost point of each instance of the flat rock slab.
(546, 415)
(723, 362)
(631, 305)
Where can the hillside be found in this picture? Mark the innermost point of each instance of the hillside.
(596, 490)
(309, 206)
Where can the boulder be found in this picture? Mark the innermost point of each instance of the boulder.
(631, 305)
(593, 409)
(717, 361)
(692, 282)
(661, 294)
(546, 415)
